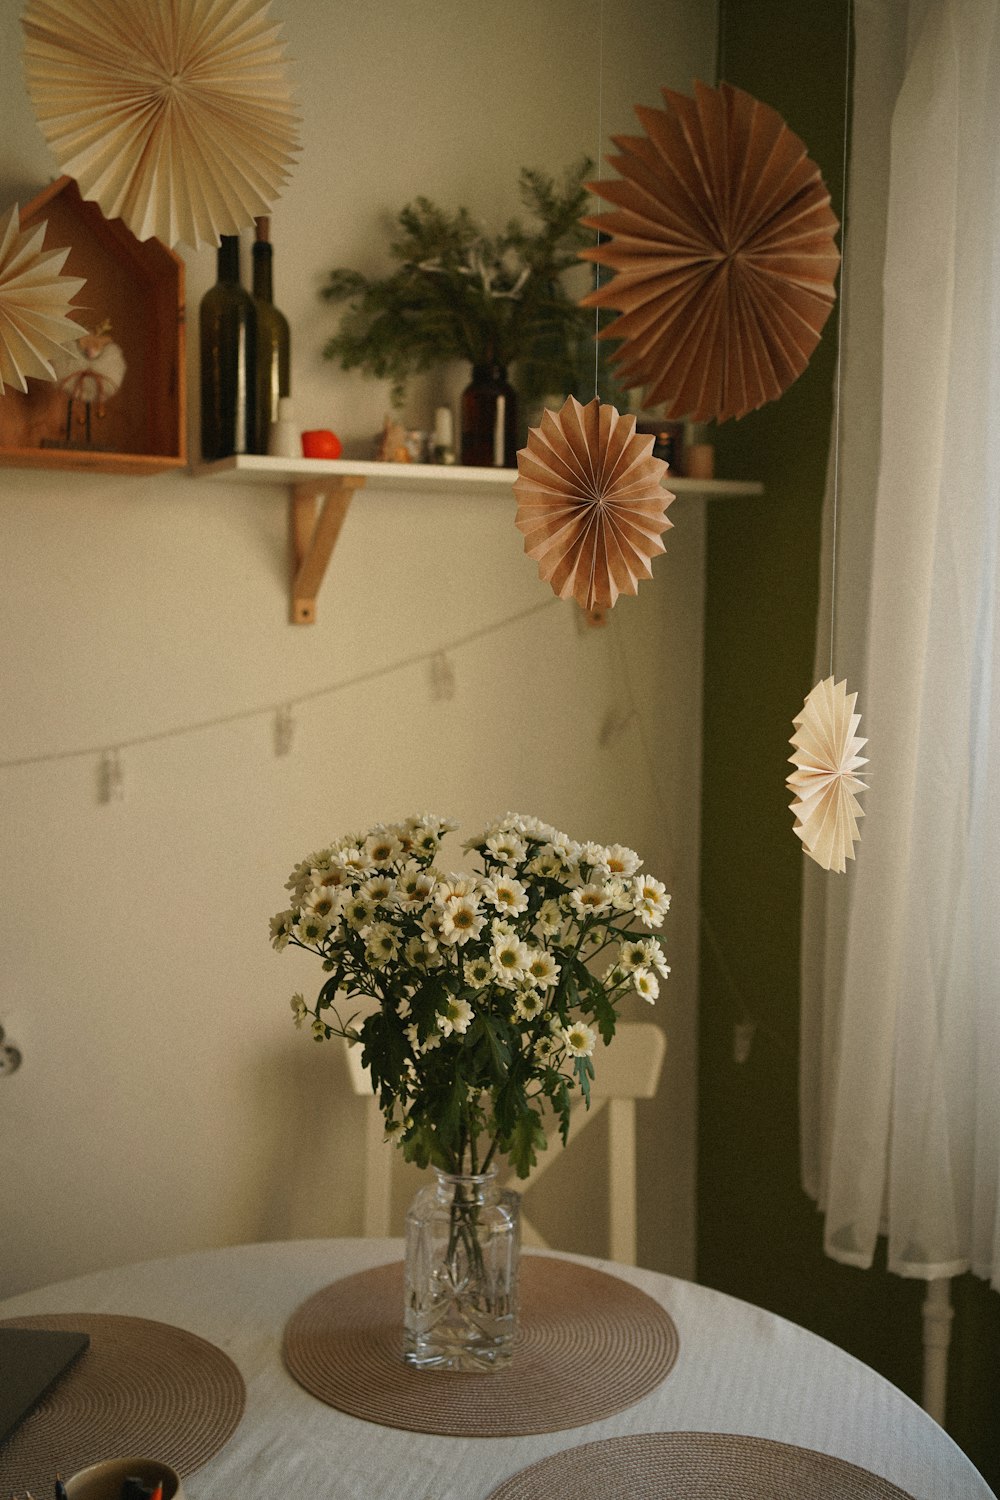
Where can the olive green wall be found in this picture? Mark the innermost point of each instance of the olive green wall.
(759, 1236)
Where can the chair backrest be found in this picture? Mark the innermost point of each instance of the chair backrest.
(626, 1071)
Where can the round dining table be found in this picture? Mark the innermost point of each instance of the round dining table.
(739, 1370)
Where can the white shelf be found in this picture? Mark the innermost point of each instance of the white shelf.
(258, 469)
(320, 492)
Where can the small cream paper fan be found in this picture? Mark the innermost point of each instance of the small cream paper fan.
(173, 115)
(590, 502)
(34, 304)
(824, 781)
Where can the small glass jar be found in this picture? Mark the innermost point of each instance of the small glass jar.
(463, 1240)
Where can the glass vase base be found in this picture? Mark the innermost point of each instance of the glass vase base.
(458, 1349)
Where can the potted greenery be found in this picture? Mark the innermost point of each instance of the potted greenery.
(494, 300)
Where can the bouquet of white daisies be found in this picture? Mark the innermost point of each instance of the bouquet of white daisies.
(478, 997)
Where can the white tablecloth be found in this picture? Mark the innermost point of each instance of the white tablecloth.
(740, 1370)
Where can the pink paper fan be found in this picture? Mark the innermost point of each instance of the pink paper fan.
(722, 241)
(590, 502)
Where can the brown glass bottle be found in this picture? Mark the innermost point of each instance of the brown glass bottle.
(273, 340)
(489, 419)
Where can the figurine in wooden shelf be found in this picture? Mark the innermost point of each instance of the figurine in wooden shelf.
(89, 373)
(390, 445)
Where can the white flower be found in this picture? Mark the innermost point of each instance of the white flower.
(332, 876)
(621, 861)
(593, 854)
(650, 901)
(478, 971)
(529, 1004)
(506, 895)
(506, 848)
(644, 953)
(298, 880)
(456, 1016)
(432, 926)
(619, 892)
(536, 829)
(420, 956)
(379, 889)
(382, 943)
(579, 1039)
(426, 834)
(324, 900)
(356, 860)
(383, 847)
(358, 911)
(311, 928)
(546, 864)
(414, 886)
(646, 984)
(545, 1048)
(550, 918)
(319, 1030)
(299, 1011)
(589, 900)
(419, 1047)
(633, 954)
(510, 958)
(281, 929)
(542, 968)
(461, 920)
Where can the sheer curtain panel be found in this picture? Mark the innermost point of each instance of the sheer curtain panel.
(901, 968)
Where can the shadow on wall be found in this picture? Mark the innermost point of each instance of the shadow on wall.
(310, 1181)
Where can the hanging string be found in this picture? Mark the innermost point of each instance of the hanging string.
(597, 163)
(746, 1025)
(110, 758)
(721, 45)
(838, 381)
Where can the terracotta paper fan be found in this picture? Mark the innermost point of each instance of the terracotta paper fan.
(826, 807)
(35, 325)
(173, 115)
(722, 241)
(590, 502)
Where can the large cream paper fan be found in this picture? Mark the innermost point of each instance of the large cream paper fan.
(173, 115)
(824, 781)
(590, 502)
(722, 240)
(35, 326)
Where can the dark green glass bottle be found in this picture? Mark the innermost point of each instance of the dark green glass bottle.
(273, 341)
(228, 330)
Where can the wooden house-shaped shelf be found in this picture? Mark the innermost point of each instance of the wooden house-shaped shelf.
(138, 287)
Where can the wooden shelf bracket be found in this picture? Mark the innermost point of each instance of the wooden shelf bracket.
(313, 534)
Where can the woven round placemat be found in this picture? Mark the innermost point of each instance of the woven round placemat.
(694, 1466)
(142, 1388)
(588, 1345)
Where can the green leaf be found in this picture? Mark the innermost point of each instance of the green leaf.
(584, 1070)
(489, 1036)
(527, 1140)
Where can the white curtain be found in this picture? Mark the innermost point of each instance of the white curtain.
(900, 1083)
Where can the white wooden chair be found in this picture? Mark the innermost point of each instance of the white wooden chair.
(626, 1071)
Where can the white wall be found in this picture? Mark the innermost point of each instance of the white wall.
(165, 1101)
